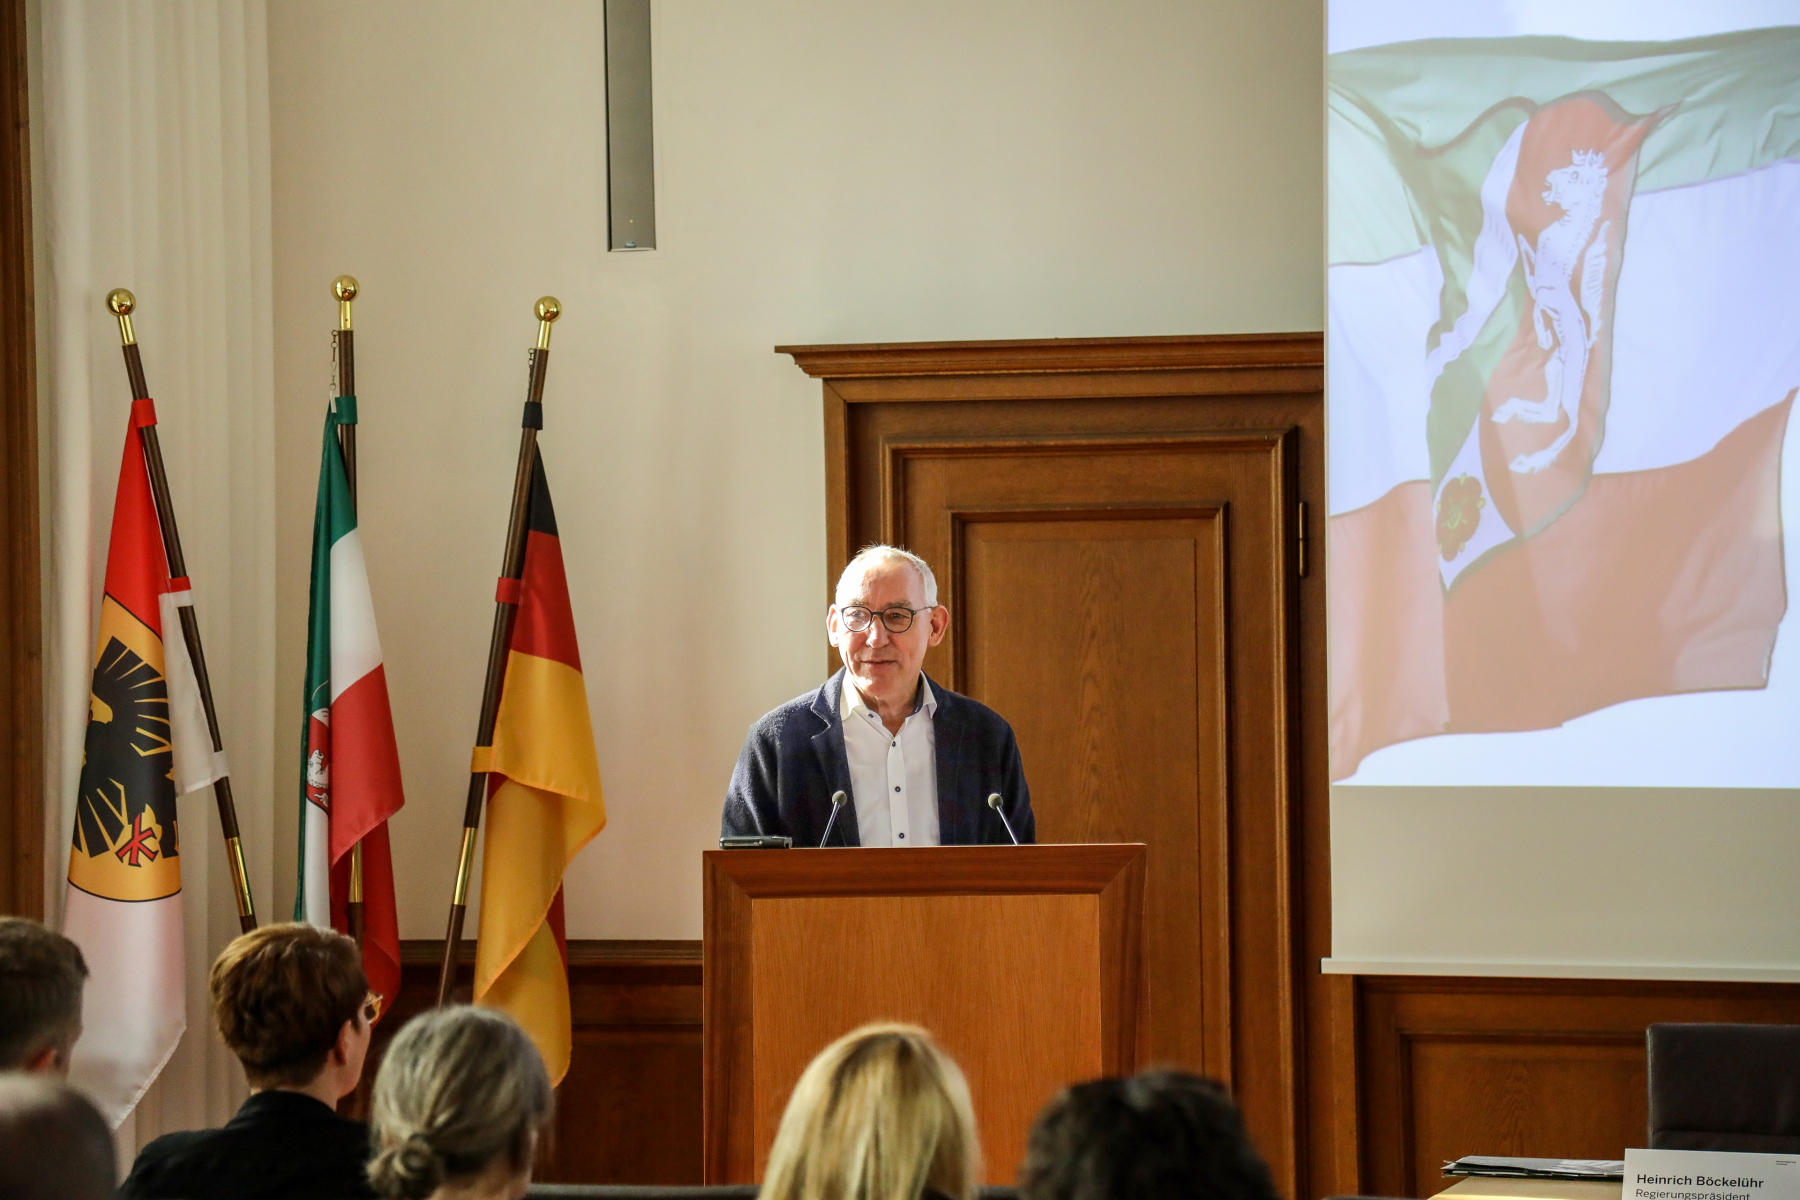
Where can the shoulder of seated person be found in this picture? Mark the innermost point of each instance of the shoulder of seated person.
(177, 1166)
(157, 1155)
(170, 1144)
(283, 1103)
(178, 1151)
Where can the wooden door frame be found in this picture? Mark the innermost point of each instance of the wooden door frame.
(1320, 1076)
(21, 616)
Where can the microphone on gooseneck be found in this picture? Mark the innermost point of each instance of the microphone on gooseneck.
(837, 804)
(994, 802)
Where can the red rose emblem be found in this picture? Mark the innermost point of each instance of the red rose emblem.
(1458, 513)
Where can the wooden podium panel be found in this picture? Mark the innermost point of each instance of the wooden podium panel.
(1018, 1035)
(1024, 962)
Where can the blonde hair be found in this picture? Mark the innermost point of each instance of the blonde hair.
(881, 1114)
(458, 1089)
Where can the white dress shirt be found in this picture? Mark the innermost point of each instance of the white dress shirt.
(893, 777)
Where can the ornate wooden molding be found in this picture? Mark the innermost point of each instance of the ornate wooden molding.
(1061, 356)
(583, 952)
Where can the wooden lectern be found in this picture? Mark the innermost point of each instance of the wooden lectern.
(1024, 961)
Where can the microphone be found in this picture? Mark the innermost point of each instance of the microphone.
(837, 804)
(994, 801)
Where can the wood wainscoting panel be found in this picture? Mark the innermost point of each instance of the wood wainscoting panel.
(629, 1110)
(1528, 1067)
(1115, 526)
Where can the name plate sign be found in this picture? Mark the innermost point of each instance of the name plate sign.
(1710, 1175)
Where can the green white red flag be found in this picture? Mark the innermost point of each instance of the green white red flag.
(350, 772)
(1564, 288)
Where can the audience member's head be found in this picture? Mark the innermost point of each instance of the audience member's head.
(41, 974)
(1156, 1136)
(54, 1145)
(880, 1114)
(289, 1001)
(459, 1100)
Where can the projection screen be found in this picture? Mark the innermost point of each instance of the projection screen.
(1563, 346)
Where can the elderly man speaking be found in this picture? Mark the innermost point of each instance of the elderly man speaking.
(918, 761)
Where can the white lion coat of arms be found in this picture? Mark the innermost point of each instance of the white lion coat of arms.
(1565, 318)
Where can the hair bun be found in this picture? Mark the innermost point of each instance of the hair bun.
(412, 1169)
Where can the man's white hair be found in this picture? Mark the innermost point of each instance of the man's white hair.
(854, 568)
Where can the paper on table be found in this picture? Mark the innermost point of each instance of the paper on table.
(1537, 1168)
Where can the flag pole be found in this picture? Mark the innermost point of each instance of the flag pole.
(506, 601)
(121, 303)
(345, 288)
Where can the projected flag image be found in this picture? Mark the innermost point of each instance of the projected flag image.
(1564, 307)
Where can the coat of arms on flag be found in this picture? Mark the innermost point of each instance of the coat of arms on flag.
(127, 845)
(350, 769)
(147, 742)
(1563, 308)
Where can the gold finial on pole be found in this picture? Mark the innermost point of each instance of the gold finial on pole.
(548, 309)
(344, 287)
(121, 302)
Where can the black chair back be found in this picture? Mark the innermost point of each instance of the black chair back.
(1725, 1087)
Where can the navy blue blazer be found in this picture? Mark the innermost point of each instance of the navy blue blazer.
(280, 1146)
(794, 759)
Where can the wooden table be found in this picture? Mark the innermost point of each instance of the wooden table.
(1473, 1188)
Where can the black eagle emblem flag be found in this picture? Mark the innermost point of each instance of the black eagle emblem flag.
(126, 789)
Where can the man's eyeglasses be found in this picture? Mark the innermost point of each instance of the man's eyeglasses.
(897, 619)
(371, 1007)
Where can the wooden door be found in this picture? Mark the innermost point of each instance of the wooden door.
(1116, 529)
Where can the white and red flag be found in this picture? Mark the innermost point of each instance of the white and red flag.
(147, 743)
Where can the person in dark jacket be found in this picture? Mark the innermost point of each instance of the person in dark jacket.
(915, 762)
(291, 1001)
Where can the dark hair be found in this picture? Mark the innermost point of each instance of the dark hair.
(1156, 1136)
(459, 1089)
(54, 1145)
(41, 973)
(281, 995)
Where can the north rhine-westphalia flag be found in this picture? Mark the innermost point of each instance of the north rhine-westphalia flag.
(1564, 289)
(147, 742)
(350, 776)
(544, 800)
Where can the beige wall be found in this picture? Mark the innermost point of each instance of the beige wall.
(828, 171)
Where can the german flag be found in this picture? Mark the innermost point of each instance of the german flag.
(544, 801)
